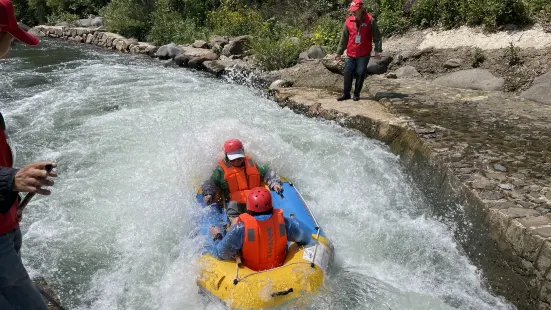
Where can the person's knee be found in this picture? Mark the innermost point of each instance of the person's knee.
(361, 71)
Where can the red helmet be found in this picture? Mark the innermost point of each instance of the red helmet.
(259, 200)
(232, 145)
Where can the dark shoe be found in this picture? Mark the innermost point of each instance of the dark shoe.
(356, 98)
(343, 97)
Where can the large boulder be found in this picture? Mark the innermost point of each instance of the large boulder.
(169, 51)
(200, 44)
(193, 52)
(316, 52)
(406, 72)
(87, 22)
(334, 66)
(312, 74)
(236, 46)
(379, 66)
(97, 22)
(480, 79)
(215, 67)
(221, 41)
(181, 60)
(540, 91)
(303, 57)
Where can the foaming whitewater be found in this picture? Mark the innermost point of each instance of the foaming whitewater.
(133, 141)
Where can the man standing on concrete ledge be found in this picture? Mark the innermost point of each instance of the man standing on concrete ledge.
(359, 34)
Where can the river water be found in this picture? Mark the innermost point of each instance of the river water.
(134, 139)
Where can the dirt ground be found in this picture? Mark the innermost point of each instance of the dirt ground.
(517, 66)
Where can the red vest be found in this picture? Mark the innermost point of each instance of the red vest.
(240, 179)
(365, 46)
(265, 243)
(8, 221)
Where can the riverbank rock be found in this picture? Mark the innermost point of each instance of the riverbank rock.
(200, 44)
(217, 44)
(97, 22)
(479, 79)
(280, 84)
(303, 57)
(63, 24)
(402, 56)
(141, 48)
(316, 52)
(87, 22)
(379, 66)
(123, 45)
(181, 60)
(48, 294)
(453, 63)
(193, 52)
(221, 41)
(406, 72)
(312, 74)
(236, 46)
(333, 66)
(540, 91)
(169, 51)
(215, 67)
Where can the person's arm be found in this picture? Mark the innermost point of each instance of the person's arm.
(230, 245)
(269, 176)
(7, 178)
(377, 37)
(344, 41)
(210, 185)
(298, 232)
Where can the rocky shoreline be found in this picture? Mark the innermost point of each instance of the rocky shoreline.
(481, 156)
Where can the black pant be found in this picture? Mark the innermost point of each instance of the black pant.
(355, 66)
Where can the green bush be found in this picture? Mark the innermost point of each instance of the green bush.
(425, 13)
(233, 20)
(391, 22)
(478, 57)
(512, 55)
(450, 13)
(55, 18)
(130, 18)
(327, 32)
(538, 7)
(170, 26)
(276, 54)
(502, 12)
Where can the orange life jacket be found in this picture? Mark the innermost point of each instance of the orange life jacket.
(241, 179)
(265, 244)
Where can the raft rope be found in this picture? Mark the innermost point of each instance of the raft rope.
(318, 228)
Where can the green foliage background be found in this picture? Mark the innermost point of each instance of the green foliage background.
(272, 23)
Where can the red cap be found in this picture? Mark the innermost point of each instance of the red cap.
(356, 5)
(234, 149)
(8, 23)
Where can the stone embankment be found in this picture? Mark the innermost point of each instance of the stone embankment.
(481, 156)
